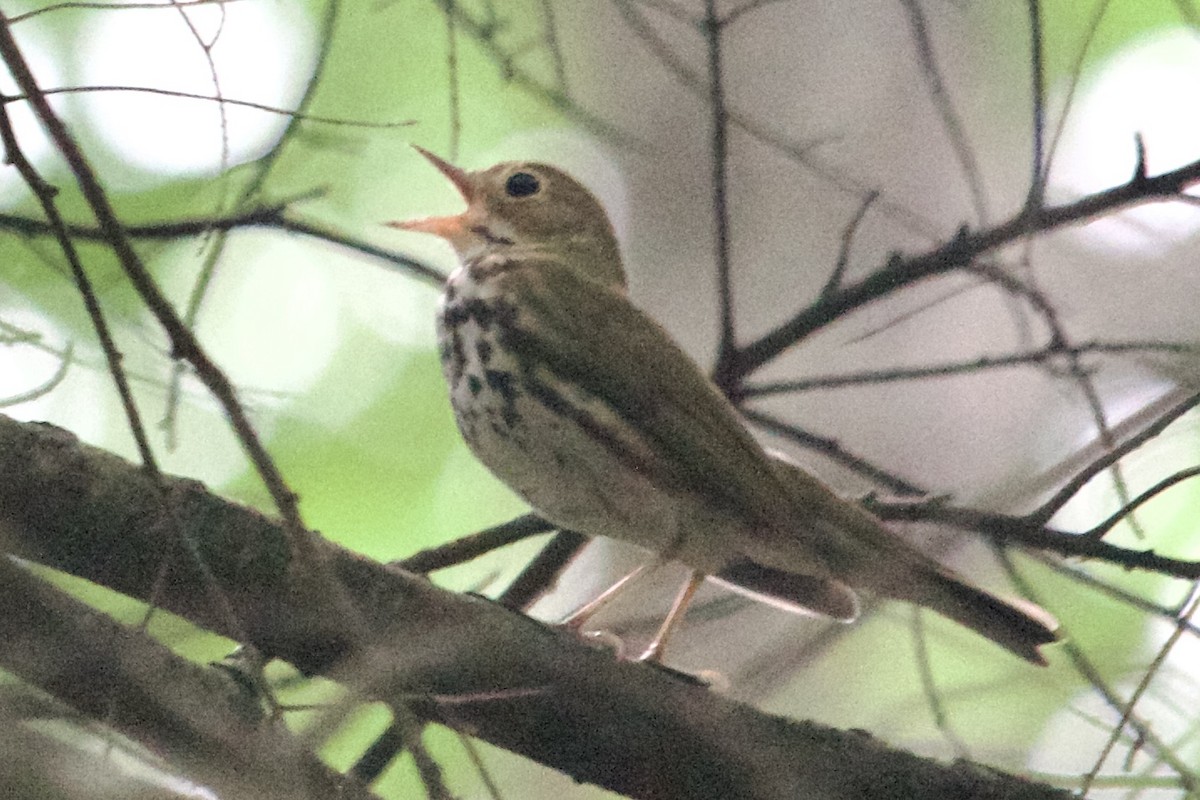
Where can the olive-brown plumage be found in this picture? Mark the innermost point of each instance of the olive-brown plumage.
(588, 409)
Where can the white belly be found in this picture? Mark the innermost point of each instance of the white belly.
(566, 452)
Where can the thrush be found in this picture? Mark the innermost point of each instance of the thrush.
(589, 410)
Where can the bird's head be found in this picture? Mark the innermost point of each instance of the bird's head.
(525, 208)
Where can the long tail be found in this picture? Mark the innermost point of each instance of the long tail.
(1019, 626)
(863, 554)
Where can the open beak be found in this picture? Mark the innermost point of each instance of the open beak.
(452, 227)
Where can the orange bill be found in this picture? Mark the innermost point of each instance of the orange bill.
(445, 227)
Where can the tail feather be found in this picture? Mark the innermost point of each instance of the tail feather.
(1016, 625)
(846, 541)
(789, 590)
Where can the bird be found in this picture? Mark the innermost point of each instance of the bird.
(587, 408)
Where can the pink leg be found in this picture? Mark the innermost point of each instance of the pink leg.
(578, 618)
(658, 645)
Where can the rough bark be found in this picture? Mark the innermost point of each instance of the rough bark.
(635, 729)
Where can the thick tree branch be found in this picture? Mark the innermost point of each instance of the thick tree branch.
(194, 716)
(476, 666)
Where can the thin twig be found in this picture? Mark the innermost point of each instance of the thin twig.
(801, 152)
(956, 254)
(45, 193)
(183, 343)
(748, 7)
(410, 728)
(951, 122)
(263, 166)
(550, 27)
(1078, 374)
(1118, 593)
(1060, 498)
(13, 335)
(50, 384)
(719, 144)
(1144, 684)
(206, 48)
(1083, 665)
(843, 259)
(288, 112)
(261, 169)
(833, 450)
(929, 685)
(110, 7)
(540, 574)
(467, 548)
(671, 9)
(1038, 357)
(1037, 77)
(334, 236)
(484, 34)
(266, 216)
(1005, 529)
(1143, 498)
(1076, 74)
(485, 775)
(455, 81)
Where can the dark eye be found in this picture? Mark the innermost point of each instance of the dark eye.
(521, 184)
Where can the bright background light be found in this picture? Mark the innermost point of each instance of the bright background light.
(264, 53)
(26, 128)
(1141, 90)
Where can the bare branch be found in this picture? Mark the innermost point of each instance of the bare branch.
(843, 259)
(1126, 510)
(747, 7)
(833, 450)
(540, 574)
(265, 216)
(288, 112)
(183, 343)
(64, 366)
(262, 169)
(801, 152)
(1115, 454)
(1118, 593)
(45, 194)
(1076, 74)
(933, 697)
(466, 548)
(1088, 671)
(550, 26)
(484, 33)
(1014, 530)
(1039, 357)
(1181, 625)
(82, 6)
(1037, 77)
(73, 507)
(957, 254)
(454, 78)
(191, 714)
(940, 95)
(719, 143)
